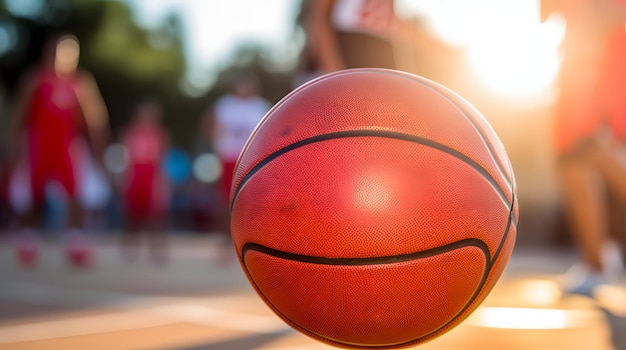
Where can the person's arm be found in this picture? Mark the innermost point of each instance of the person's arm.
(322, 35)
(95, 114)
(23, 96)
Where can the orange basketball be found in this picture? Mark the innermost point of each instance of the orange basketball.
(373, 208)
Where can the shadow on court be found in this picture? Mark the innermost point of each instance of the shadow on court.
(248, 342)
(618, 329)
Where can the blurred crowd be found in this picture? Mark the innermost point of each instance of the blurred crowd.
(66, 176)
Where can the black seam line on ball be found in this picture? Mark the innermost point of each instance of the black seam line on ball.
(373, 133)
(486, 273)
(381, 260)
(490, 149)
(508, 226)
(489, 263)
(449, 96)
(471, 242)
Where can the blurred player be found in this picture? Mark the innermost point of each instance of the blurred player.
(58, 107)
(235, 114)
(353, 34)
(144, 187)
(586, 117)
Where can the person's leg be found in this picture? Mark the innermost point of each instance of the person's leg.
(157, 205)
(613, 259)
(76, 214)
(225, 251)
(578, 120)
(610, 164)
(76, 243)
(133, 208)
(585, 208)
(30, 215)
(27, 238)
(157, 239)
(78, 249)
(130, 240)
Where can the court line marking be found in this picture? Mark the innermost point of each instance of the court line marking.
(55, 295)
(146, 311)
(141, 318)
(76, 326)
(209, 316)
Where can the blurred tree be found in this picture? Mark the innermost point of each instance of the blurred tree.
(250, 56)
(128, 61)
(119, 44)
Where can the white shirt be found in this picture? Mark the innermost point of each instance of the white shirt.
(236, 118)
(365, 16)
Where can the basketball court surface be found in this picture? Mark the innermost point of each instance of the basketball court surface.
(201, 301)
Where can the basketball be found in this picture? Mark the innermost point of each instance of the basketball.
(373, 208)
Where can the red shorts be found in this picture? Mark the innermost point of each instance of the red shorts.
(593, 95)
(613, 83)
(144, 193)
(228, 170)
(49, 165)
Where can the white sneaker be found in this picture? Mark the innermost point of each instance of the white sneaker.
(27, 248)
(78, 250)
(612, 262)
(581, 280)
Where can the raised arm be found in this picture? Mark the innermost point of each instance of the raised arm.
(25, 90)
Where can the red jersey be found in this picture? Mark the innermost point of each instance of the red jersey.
(145, 143)
(53, 122)
(53, 119)
(592, 75)
(145, 192)
(613, 83)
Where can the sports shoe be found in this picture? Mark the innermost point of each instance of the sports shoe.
(77, 250)
(581, 281)
(612, 262)
(27, 248)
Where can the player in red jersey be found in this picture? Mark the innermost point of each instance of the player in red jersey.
(589, 113)
(144, 190)
(58, 107)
